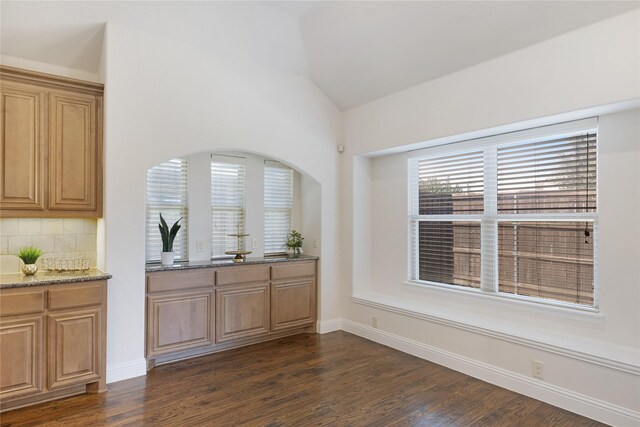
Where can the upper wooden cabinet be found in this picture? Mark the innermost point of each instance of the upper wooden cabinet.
(50, 147)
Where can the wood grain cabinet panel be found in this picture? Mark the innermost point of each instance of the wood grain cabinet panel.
(179, 321)
(73, 347)
(72, 152)
(242, 311)
(293, 304)
(21, 362)
(51, 146)
(22, 147)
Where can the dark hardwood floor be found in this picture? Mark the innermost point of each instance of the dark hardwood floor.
(335, 379)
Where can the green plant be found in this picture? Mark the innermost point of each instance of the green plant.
(29, 254)
(168, 235)
(294, 240)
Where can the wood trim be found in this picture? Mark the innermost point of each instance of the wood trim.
(49, 80)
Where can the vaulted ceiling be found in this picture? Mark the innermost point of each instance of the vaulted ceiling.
(355, 51)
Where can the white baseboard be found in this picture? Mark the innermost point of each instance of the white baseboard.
(326, 326)
(126, 370)
(554, 395)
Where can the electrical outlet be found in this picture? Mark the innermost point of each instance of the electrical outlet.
(254, 244)
(374, 322)
(537, 369)
(315, 243)
(199, 246)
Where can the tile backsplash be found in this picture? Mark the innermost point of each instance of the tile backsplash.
(56, 237)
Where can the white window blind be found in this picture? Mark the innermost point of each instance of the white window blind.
(513, 217)
(446, 213)
(167, 194)
(554, 178)
(278, 206)
(227, 206)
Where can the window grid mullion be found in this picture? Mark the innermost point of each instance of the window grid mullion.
(489, 227)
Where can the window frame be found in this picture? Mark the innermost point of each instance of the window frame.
(230, 160)
(490, 218)
(291, 210)
(182, 255)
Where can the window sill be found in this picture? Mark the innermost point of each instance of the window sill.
(558, 306)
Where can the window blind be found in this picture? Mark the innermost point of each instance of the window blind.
(555, 175)
(450, 191)
(278, 206)
(227, 206)
(167, 194)
(451, 184)
(510, 216)
(550, 260)
(450, 252)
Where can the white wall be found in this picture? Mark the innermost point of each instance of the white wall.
(592, 361)
(165, 99)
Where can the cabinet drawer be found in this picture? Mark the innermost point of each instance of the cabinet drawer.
(291, 270)
(177, 280)
(237, 275)
(77, 296)
(21, 303)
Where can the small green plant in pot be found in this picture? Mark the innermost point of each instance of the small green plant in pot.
(168, 236)
(29, 255)
(294, 243)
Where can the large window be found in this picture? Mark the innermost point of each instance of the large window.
(167, 194)
(227, 205)
(513, 214)
(278, 206)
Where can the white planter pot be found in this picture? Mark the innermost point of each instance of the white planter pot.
(167, 258)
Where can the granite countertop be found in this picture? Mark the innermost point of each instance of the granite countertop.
(19, 280)
(186, 265)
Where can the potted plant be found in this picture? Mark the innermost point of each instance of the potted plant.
(294, 244)
(29, 255)
(168, 236)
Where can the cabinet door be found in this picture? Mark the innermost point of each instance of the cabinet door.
(293, 304)
(21, 351)
(22, 147)
(242, 311)
(73, 347)
(73, 152)
(179, 321)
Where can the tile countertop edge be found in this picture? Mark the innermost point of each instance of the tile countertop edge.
(178, 266)
(19, 280)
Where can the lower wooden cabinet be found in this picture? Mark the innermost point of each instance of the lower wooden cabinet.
(74, 345)
(194, 312)
(52, 342)
(293, 304)
(21, 357)
(179, 321)
(242, 311)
